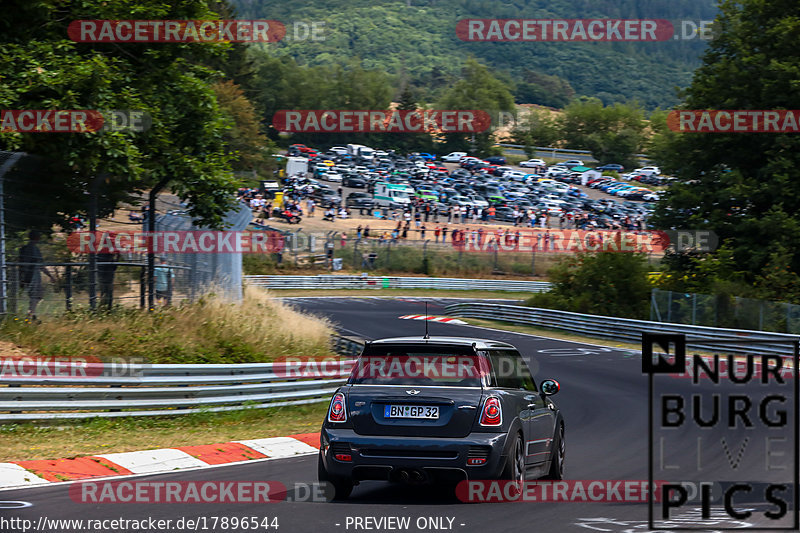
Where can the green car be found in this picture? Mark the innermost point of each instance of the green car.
(427, 195)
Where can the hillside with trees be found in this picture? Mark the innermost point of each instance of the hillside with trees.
(415, 41)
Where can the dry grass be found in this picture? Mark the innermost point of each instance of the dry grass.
(212, 330)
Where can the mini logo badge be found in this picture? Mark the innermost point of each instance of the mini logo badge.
(412, 392)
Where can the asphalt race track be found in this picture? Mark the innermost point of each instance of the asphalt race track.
(604, 400)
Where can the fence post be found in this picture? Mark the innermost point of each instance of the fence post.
(68, 289)
(694, 308)
(142, 285)
(151, 255)
(669, 306)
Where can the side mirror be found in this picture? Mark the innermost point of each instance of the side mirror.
(550, 387)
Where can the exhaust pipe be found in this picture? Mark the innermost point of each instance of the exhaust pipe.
(404, 477)
(417, 477)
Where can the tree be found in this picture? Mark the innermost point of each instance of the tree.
(478, 90)
(41, 69)
(542, 89)
(251, 148)
(613, 134)
(606, 283)
(744, 186)
(538, 128)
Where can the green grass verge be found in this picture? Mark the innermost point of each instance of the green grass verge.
(64, 439)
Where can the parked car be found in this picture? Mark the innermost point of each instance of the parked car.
(514, 175)
(573, 163)
(612, 167)
(454, 157)
(359, 200)
(496, 160)
(332, 176)
(354, 182)
(649, 171)
(456, 408)
(532, 163)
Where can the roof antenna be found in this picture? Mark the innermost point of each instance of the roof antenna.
(426, 321)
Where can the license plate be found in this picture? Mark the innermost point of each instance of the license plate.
(411, 411)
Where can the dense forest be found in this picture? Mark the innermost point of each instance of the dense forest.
(415, 41)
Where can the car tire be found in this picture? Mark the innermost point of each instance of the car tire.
(342, 487)
(557, 460)
(514, 469)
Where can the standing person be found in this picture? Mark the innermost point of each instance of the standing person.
(359, 231)
(366, 232)
(422, 232)
(30, 274)
(444, 234)
(436, 233)
(106, 268)
(163, 276)
(344, 239)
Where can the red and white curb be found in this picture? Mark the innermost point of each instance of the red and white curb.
(19, 474)
(444, 319)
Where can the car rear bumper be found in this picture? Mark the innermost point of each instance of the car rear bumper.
(437, 459)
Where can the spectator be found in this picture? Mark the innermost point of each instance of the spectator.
(344, 239)
(163, 277)
(436, 233)
(106, 268)
(30, 274)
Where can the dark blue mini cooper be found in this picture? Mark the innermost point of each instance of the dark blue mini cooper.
(440, 410)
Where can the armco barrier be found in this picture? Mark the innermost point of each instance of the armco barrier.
(697, 337)
(390, 282)
(168, 389)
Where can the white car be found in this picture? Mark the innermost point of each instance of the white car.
(361, 169)
(478, 202)
(650, 171)
(652, 196)
(381, 153)
(332, 176)
(532, 163)
(514, 175)
(454, 157)
(341, 150)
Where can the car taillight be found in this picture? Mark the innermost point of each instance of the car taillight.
(492, 414)
(337, 411)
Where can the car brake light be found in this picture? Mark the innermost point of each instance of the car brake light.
(492, 414)
(337, 411)
(475, 461)
(346, 457)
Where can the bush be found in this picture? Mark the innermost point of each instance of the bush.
(608, 283)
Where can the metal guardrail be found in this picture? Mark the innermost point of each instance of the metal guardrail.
(171, 389)
(560, 151)
(389, 282)
(733, 341)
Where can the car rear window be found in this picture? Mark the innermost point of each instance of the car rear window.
(420, 366)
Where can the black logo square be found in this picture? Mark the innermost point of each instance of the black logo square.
(663, 342)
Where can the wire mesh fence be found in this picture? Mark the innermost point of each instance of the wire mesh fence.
(724, 311)
(42, 272)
